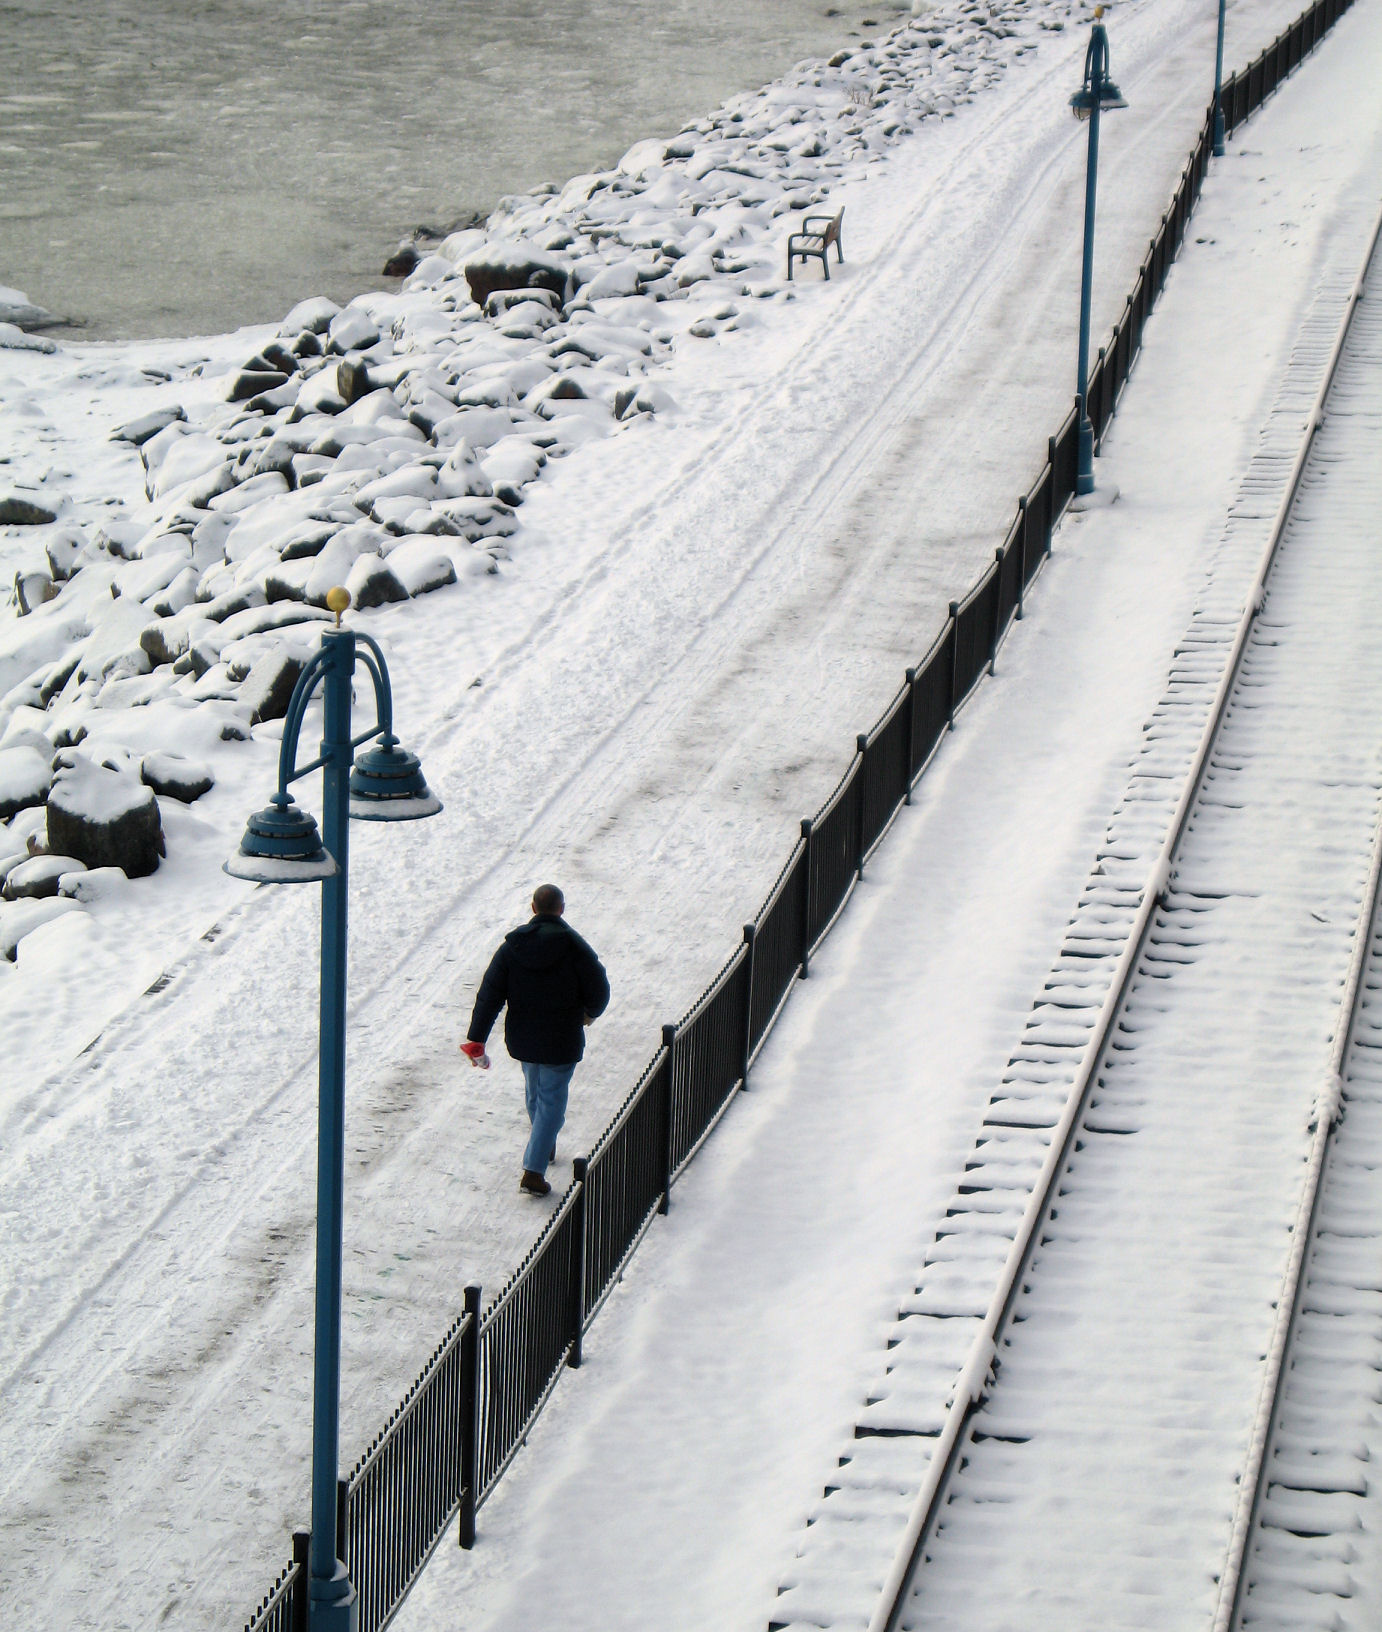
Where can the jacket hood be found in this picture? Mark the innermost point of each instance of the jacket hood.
(541, 943)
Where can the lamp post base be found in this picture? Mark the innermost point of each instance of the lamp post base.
(1218, 148)
(1098, 498)
(332, 1603)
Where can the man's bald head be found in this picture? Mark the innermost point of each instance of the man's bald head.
(547, 898)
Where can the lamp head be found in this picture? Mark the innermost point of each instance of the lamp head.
(281, 846)
(1098, 90)
(387, 785)
(1084, 100)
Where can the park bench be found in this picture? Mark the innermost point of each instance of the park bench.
(817, 234)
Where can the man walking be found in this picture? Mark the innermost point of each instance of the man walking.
(554, 987)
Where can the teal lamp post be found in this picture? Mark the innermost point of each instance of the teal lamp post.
(1097, 95)
(1218, 88)
(282, 846)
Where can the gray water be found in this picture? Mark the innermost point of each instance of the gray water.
(186, 166)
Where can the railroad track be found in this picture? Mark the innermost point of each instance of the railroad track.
(1135, 1382)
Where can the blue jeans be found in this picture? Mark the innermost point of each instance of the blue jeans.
(545, 1087)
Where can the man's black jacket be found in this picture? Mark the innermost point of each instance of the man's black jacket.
(551, 981)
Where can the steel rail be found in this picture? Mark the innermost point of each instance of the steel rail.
(974, 1379)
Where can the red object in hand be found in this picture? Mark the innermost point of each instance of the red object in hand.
(475, 1053)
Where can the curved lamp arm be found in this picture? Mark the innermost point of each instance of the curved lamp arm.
(383, 692)
(292, 720)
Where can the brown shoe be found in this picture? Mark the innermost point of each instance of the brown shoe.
(534, 1184)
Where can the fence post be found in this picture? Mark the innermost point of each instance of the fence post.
(470, 1418)
(750, 937)
(911, 735)
(669, 1039)
(808, 827)
(302, 1543)
(342, 1522)
(997, 607)
(1050, 522)
(580, 1166)
(1023, 522)
(1105, 396)
(954, 662)
(861, 746)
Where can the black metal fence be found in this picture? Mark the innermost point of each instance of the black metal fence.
(470, 1411)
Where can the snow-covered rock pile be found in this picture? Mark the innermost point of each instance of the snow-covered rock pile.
(387, 445)
(18, 314)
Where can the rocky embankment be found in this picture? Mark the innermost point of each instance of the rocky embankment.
(388, 445)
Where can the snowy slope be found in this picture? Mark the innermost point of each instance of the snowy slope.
(724, 592)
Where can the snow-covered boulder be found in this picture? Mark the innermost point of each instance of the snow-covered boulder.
(268, 687)
(32, 590)
(63, 547)
(25, 778)
(332, 565)
(371, 582)
(311, 316)
(513, 462)
(103, 817)
(352, 380)
(352, 330)
(21, 918)
(37, 878)
(643, 157)
(18, 309)
(420, 566)
(167, 640)
(138, 431)
(403, 261)
(13, 338)
(23, 507)
(250, 383)
(93, 884)
(318, 394)
(173, 777)
(462, 475)
(620, 279)
(514, 266)
(469, 518)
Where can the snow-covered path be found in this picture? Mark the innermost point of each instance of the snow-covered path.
(741, 590)
(669, 1482)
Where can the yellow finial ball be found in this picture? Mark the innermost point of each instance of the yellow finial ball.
(338, 601)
